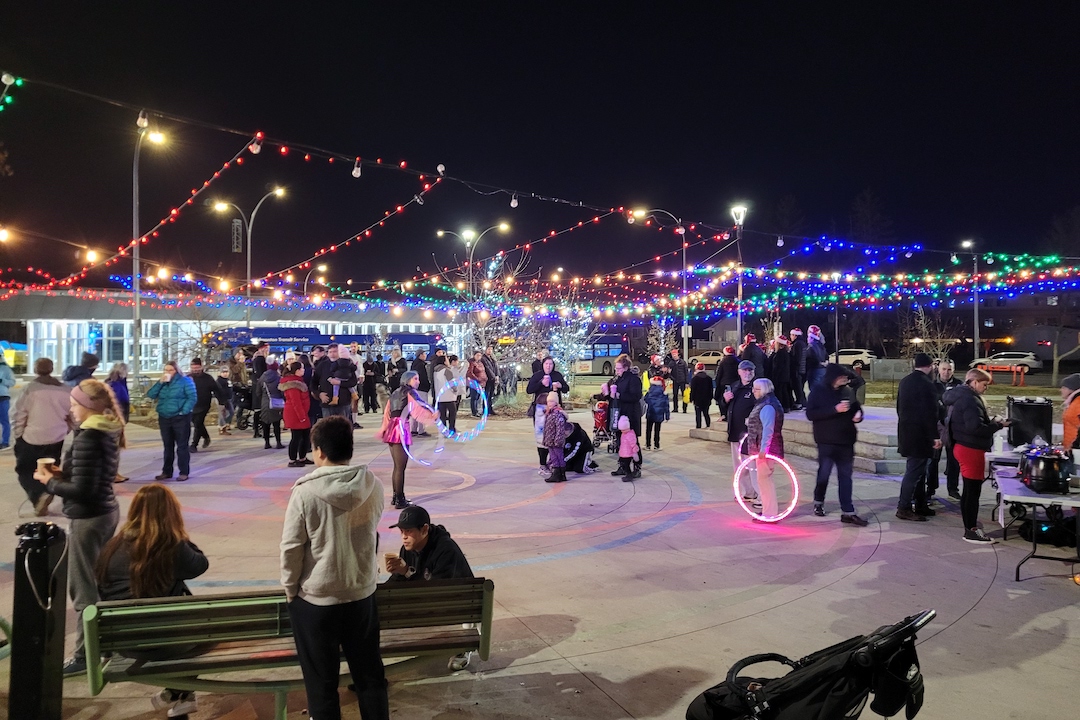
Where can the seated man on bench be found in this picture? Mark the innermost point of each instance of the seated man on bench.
(427, 553)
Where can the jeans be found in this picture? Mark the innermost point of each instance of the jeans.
(816, 377)
(702, 413)
(652, 432)
(225, 413)
(335, 410)
(26, 457)
(913, 486)
(448, 415)
(322, 634)
(843, 457)
(952, 472)
(474, 401)
(370, 399)
(198, 431)
(5, 421)
(86, 538)
(677, 395)
(175, 432)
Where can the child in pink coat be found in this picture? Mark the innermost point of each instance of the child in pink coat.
(629, 452)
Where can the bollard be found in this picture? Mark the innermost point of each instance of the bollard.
(37, 640)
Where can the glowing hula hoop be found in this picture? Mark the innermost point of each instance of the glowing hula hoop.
(749, 510)
(473, 432)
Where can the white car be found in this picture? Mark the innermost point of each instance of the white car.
(706, 357)
(1027, 359)
(856, 357)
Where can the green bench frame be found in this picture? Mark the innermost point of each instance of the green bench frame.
(243, 632)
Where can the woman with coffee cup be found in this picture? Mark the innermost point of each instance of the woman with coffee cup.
(176, 397)
(86, 485)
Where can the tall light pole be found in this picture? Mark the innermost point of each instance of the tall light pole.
(970, 245)
(320, 268)
(136, 331)
(739, 214)
(471, 240)
(681, 232)
(249, 223)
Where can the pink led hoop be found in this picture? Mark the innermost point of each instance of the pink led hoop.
(794, 484)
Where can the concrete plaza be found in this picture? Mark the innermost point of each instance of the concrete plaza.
(625, 600)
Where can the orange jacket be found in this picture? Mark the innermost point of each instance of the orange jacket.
(1071, 419)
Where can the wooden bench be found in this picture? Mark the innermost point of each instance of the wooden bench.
(244, 632)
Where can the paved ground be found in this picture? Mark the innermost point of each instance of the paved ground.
(625, 600)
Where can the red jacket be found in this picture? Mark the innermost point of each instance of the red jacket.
(477, 372)
(297, 403)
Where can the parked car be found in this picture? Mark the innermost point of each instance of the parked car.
(856, 357)
(1028, 359)
(707, 357)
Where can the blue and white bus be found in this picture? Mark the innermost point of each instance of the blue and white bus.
(301, 339)
(599, 357)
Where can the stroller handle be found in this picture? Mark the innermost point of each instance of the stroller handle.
(884, 641)
(754, 700)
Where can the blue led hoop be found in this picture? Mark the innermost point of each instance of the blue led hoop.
(470, 434)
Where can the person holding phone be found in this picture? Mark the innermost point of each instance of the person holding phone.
(835, 412)
(176, 396)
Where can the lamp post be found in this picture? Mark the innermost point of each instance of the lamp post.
(681, 232)
(970, 245)
(739, 214)
(471, 240)
(320, 268)
(249, 223)
(136, 331)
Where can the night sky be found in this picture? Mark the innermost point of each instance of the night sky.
(960, 117)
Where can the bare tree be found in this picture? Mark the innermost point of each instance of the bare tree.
(928, 332)
(868, 221)
(771, 326)
(1059, 355)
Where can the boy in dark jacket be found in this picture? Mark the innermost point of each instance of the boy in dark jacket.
(657, 411)
(834, 411)
(427, 553)
(206, 389)
(225, 412)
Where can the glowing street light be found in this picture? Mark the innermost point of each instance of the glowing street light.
(322, 281)
(249, 224)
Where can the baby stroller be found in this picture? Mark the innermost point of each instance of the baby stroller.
(830, 684)
(242, 403)
(600, 423)
(613, 429)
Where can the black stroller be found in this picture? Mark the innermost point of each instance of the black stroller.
(243, 408)
(830, 684)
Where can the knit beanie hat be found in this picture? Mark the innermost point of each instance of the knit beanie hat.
(1072, 382)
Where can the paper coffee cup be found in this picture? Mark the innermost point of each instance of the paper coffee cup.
(45, 462)
(389, 557)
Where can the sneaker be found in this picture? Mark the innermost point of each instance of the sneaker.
(819, 510)
(925, 511)
(181, 478)
(750, 498)
(74, 666)
(178, 704)
(459, 662)
(41, 507)
(648, 447)
(279, 446)
(307, 461)
(853, 519)
(296, 463)
(978, 537)
(544, 471)
(401, 503)
(954, 494)
(163, 476)
(907, 514)
(206, 443)
(194, 448)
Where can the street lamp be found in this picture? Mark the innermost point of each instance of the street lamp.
(320, 268)
(249, 223)
(970, 245)
(681, 232)
(471, 240)
(136, 333)
(738, 213)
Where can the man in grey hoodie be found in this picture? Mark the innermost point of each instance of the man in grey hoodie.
(329, 571)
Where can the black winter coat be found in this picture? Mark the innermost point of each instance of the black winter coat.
(968, 422)
(680, 371)
(831, 427)
(89, 472)
(727, 373)
(629, 400)
(206, 388)
(701, 390)
(738, 409)
(188, 562)
(420, 368)
(917, 413)
(441, 559)
(756, 355)
(781, 366)
(536, 384)
(816, 356)
(798, 358)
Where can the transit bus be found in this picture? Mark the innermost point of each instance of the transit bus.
(600, 354)
(299, 339)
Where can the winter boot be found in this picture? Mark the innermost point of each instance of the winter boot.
(624, 467)
(633, 474)
(557, 475)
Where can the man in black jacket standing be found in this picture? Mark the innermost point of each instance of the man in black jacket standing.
(491, 367)
(946, 381)
(917, 431)
(798, 367)
(736, 402)
(206, 389)
(680, 374)
(427, 553)
(834, 411)
(419, 366)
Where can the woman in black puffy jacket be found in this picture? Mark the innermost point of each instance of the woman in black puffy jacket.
(86, 485)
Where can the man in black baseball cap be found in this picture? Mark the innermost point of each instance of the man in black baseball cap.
(427, 553)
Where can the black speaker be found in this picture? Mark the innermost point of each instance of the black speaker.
(1030, 417)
